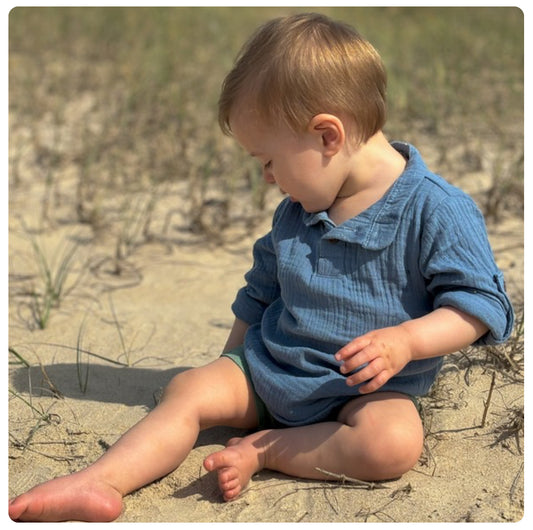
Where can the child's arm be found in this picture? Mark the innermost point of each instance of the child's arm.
(386, 351)
(236, 336)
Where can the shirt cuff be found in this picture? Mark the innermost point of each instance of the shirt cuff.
(494, 311)
(246, 308)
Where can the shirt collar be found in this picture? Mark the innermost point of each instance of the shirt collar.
(376, 227)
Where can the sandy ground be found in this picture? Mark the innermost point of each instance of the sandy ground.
(170, 310)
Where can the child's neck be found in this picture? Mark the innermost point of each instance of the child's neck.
(371, 171)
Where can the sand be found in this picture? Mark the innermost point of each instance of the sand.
(170, 310)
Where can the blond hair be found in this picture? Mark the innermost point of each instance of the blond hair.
(296, 67)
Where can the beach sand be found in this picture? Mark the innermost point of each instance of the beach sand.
(169, 310)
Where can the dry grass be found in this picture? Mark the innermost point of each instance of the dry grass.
(112, 109)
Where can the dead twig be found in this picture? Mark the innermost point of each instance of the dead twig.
(343, 479)
(55, 391)
(487, 403)
(515, 482)
(344, 482)
(24, 446)
(398, 494)
(512, 428)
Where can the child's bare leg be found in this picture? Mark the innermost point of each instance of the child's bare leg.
(376, 437)
(217, 394)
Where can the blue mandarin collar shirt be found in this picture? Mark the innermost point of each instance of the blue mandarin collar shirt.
(314, 286)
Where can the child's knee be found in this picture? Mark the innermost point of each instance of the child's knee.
(395, 449)
(183, 384)
(405, 445)
(215, 394)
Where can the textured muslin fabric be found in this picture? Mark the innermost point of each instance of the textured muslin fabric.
(314, 286)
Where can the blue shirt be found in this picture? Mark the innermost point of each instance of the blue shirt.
(315, 286)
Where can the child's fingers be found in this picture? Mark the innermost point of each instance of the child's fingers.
(366, 372)
(352, 348)
(371, 384)
(358, 360)
(375, 383)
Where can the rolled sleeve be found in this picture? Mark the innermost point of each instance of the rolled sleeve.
(490, 307)
(461, 272)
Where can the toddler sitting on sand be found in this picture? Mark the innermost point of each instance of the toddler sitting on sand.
(373, 270)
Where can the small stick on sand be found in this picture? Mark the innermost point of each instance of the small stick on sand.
(344, 478)
(489, 397)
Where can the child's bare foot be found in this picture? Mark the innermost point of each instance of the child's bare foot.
(235, 465)
(70, 498)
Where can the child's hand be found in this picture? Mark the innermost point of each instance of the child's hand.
(379, 355)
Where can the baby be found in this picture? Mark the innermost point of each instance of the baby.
(373, 270)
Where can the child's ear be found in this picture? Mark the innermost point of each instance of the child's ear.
(331, 132)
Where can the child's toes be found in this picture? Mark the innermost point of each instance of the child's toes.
(221, 459)
(229, 485)
(215, 461)
(228, 475)
(232, 493)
